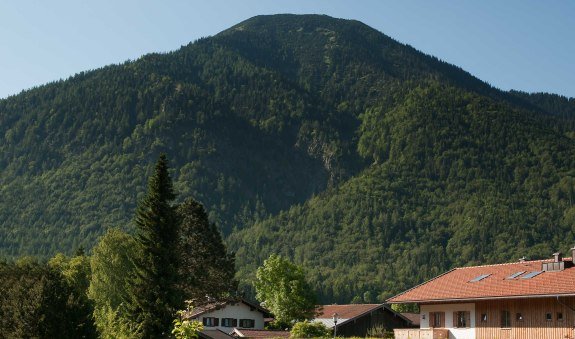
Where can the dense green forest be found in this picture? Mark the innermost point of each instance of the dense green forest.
(132, 286)
(456, 179)
(371, 164)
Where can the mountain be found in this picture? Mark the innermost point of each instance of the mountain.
(372, 164)
(456, 179)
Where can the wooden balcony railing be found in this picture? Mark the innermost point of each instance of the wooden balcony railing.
(424, 333)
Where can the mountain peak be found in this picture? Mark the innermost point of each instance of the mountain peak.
(293, 22)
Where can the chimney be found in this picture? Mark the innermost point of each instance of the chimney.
(558, 257)
(554, 266)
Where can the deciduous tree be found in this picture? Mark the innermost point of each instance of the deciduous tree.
(75, 272)
(33, 301)
(111, 265)
(281, 284)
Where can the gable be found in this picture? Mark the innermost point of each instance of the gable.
(351, 312)
(238, 310)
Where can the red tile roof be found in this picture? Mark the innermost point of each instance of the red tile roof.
(344, 311)
(261, 333)
(349, 312)
(455, 285)
(413, 317)
(197, 311)
(214, 334)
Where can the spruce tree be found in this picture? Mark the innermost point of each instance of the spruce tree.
(154, 297)
(207, 269)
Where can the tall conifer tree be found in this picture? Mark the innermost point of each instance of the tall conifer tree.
(153, 292)
(207, 270)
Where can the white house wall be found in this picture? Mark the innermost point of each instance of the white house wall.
(454, 333)
(237, 311)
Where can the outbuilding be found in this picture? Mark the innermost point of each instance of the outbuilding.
(358, 320)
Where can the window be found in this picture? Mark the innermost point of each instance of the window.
(210, 321)
(479, 278)
(462, 319)
(229, 322)
(519, 317)
(559, 316)
(436, 319)
(531, 274)
(548, 316)
(515, 275)
(247, 323)
(483, 317)
(505, 319)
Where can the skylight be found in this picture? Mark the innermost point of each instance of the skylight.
(515, 275)
(481, 277)
(531, 274)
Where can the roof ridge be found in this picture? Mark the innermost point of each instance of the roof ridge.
(455, 285)
(374, 304)
(510, 263)
(260, 329)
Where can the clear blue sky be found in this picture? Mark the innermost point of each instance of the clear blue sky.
(527, 45)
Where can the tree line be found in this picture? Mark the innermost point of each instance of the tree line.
(131, 286)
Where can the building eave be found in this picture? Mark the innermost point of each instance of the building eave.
(388, 301)
(371, 310)
(456, 300)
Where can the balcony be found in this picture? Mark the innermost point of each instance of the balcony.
(423, 333)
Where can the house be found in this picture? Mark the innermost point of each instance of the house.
(359, 319)
(524, 299)
(227, 315)
(249, 333)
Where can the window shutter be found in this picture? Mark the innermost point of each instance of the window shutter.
(467, 319)
(455, 320)
(234, 322)
(216, 321)
(431, 319)
(442, 319)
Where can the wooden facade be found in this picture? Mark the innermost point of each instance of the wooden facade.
(529, 318)
(526, 318)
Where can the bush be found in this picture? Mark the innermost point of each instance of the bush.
(307, 329)
(379, 332)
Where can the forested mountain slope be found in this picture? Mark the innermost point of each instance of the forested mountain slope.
(372, 164)
(457, 179)
(255, 119)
